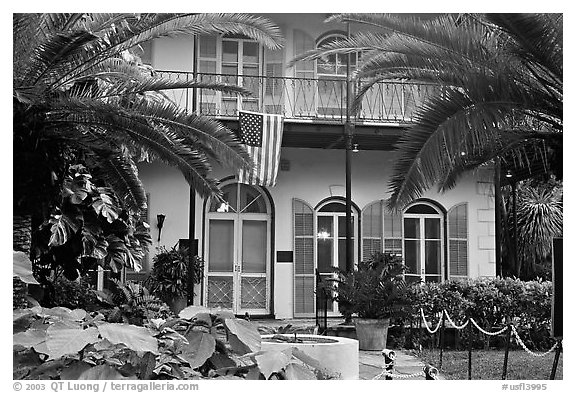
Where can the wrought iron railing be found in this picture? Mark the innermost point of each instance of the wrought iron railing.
(321, 100)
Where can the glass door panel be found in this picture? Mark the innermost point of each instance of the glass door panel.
(220, 281)
(221, 247)
(412, 249)
(325, 249)
(254, 246)
(433, 252)
(342, 241)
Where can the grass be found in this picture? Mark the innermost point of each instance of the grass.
(488, 364)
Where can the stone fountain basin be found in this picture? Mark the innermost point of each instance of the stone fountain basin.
(338, 355)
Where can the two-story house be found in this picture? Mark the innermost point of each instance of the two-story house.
(262, 250)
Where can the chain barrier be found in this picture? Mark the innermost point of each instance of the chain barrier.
(519, 340)
(399, 376)
(487, 332)
(426, 323)
(514, 331)
(453, 324)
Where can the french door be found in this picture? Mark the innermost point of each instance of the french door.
(237, 275)
(331, 246)
(423, 250)
(241, 61)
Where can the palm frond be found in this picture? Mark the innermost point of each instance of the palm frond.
(120, 173)
(445, 127)
(119, 125)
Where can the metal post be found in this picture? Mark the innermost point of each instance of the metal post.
(505, 368)
(498, 217)
(515, 229)
(430, 372)
(556, 359)
(348, 132)
(442, 338)
(470, 333)
(389, 361)
(192, 251)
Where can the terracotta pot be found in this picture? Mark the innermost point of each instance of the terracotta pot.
(372, 333)
(177, 304)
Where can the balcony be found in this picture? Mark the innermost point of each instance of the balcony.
(318, 101)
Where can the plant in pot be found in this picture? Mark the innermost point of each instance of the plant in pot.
(372, 292)
(169, 277)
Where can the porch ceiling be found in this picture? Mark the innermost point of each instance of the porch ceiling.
(330, 136)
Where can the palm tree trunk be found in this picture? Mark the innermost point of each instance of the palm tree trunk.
(22, 233)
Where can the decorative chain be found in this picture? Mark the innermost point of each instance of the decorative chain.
(486, 332)
(426, 323)
(519, 340)
(453, 324)
(399, 376)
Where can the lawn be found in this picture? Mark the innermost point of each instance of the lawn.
(488, 364)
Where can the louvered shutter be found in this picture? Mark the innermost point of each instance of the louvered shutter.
(371, 229)
(392, 232)
(458, 241)
(304, 279)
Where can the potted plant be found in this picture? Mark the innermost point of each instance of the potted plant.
(169, 278)
(372, 292)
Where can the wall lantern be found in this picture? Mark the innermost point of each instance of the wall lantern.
(355, 150)
(160, 219)
(508, 174)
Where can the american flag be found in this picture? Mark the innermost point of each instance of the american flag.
(262, 135)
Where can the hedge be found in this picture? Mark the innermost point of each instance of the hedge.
(492, 302)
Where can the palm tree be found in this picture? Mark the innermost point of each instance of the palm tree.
(539, 220)
(79, 94)
(500, 78)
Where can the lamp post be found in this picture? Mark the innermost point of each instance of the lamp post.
(349, 137)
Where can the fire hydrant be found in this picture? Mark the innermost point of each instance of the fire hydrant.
(389, 361)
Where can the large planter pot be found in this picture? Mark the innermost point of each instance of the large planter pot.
(177, 304)
(372, 333)
(338, 355)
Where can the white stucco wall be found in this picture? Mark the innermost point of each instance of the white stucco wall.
(314, 175)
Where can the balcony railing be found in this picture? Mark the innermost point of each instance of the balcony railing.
(304, 99)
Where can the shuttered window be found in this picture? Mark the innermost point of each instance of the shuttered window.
(371, 229)
(392, 232)
(458, 241)
(303, 225)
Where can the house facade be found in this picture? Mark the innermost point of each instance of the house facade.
(263, 247)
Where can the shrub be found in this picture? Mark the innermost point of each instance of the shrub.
(374, 289)
(73, 294)
(491, 302)
(59, 343)
(169, 278)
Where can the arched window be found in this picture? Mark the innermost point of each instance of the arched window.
(319, 244)
(331, 74)
(238, 251)
(381, 230)
(424, 242)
